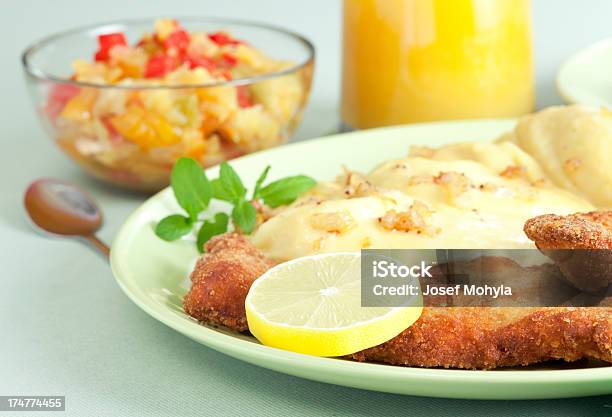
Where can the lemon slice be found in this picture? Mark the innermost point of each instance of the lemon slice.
(312, 305)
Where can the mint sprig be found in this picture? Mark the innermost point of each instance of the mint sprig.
(231, 183)
(219, 192)
(244, 216)
(259, 182)
(174, 226)
(212, 228)
(190, 186)
(193, 192)
(285, 191)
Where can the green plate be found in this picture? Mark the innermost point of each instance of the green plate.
(153, 273)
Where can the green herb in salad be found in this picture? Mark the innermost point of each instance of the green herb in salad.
(193, 192)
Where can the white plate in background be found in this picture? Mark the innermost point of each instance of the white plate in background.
(586, 77)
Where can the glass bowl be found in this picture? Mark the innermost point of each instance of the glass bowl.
(158, 123)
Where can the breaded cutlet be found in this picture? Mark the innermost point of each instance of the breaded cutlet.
(580, 243)
(450, 337)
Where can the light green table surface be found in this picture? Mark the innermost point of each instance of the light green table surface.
(67, 329)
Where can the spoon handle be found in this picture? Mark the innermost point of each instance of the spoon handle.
(97, 244)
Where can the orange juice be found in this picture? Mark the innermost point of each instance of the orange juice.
(420, 60)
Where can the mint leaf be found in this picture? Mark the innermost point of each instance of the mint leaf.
(231, 183)
(260, 180)
(212, 228)
(172, 227)
(191, 187)
(244, 216)
(285, 190)
(219, 192)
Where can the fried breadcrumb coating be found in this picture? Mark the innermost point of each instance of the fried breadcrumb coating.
(450, 337)
(576, 231)
(221, 280)
(580, 243)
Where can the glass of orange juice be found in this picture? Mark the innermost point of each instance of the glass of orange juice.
(420, 60)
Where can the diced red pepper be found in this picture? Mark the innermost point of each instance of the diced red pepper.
(178, 39)
(222, 38)
(201, 61)
(226, 74)
(107, 42)
(229, 60)
(101, 55)
(159, 65)
(243, 96)
(59, 95)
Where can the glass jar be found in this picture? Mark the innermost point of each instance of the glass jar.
(422, 60)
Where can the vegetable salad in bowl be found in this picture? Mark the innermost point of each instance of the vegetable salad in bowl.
(143, 101)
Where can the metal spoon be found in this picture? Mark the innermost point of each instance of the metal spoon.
(60, 209)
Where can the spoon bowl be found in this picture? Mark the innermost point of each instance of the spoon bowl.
(63, 210)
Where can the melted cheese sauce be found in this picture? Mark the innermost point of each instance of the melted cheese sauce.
(475, 195)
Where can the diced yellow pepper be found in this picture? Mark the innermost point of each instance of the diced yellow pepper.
(164, 27)
(78, 108)
(144, 129)
(194, 143)
(164, 132)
